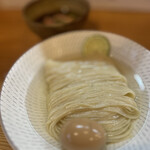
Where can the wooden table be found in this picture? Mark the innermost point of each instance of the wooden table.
(16, 38)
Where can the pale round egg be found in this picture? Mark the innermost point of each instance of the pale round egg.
(83, 134)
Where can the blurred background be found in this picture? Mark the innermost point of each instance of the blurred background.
(132, 5)
(130, 18)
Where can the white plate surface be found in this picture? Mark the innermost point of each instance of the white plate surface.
(23, 96)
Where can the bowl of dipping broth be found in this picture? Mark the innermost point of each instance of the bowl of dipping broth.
(50, 17)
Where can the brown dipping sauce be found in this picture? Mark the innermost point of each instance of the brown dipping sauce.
(57, 18)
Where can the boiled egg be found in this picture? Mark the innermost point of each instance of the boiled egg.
(83, 134)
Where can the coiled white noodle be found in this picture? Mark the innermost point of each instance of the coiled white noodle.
(89, 89)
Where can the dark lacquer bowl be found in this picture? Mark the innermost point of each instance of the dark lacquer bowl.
(50, 17)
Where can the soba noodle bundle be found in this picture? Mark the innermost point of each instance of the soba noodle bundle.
(89, 89)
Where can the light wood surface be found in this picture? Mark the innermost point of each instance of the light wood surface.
(16, 38)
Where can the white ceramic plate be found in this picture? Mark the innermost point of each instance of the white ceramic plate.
(23, 96)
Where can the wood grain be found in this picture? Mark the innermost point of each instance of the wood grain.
(16, 38)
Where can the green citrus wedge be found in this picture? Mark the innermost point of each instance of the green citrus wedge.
(96, 45)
